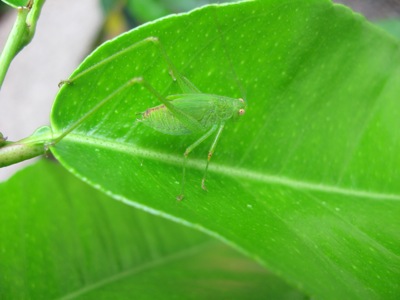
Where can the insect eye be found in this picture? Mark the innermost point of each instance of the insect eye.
(241, 100)
(241, 111)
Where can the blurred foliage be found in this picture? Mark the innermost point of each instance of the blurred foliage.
(392, 26)
(374, 10)
(3, 8)
(122, 15)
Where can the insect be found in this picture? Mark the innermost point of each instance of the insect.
(189, 113)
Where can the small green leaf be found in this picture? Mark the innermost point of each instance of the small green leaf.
(16, 3)
(307, 182)
(59, 238)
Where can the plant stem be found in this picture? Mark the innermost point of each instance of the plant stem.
(34, 145)
(14, 42)
(14, 152)
(20, 35)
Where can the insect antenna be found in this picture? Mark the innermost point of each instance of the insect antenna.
(239, 84)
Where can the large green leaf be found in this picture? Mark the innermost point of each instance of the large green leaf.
(307, 182)
(61, 238)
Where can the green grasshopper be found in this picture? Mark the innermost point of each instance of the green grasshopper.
(191, 112)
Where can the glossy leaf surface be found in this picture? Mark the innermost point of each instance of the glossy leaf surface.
(60, 238)
(307, 182)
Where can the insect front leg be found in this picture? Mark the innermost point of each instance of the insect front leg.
(210, 153)
(186, 154)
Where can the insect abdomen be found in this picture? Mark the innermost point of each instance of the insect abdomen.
(161, 119)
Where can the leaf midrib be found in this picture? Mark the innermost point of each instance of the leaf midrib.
(225, 170)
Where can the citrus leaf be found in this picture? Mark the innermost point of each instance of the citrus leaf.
(306, 182)
(60, 238)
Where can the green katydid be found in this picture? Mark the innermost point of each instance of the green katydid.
(191, 112)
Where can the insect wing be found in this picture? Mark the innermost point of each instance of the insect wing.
(199, 106)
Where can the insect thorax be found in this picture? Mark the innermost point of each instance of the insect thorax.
(225, 107)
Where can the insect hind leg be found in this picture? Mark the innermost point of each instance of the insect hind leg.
(186, 154)
(210, 153)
